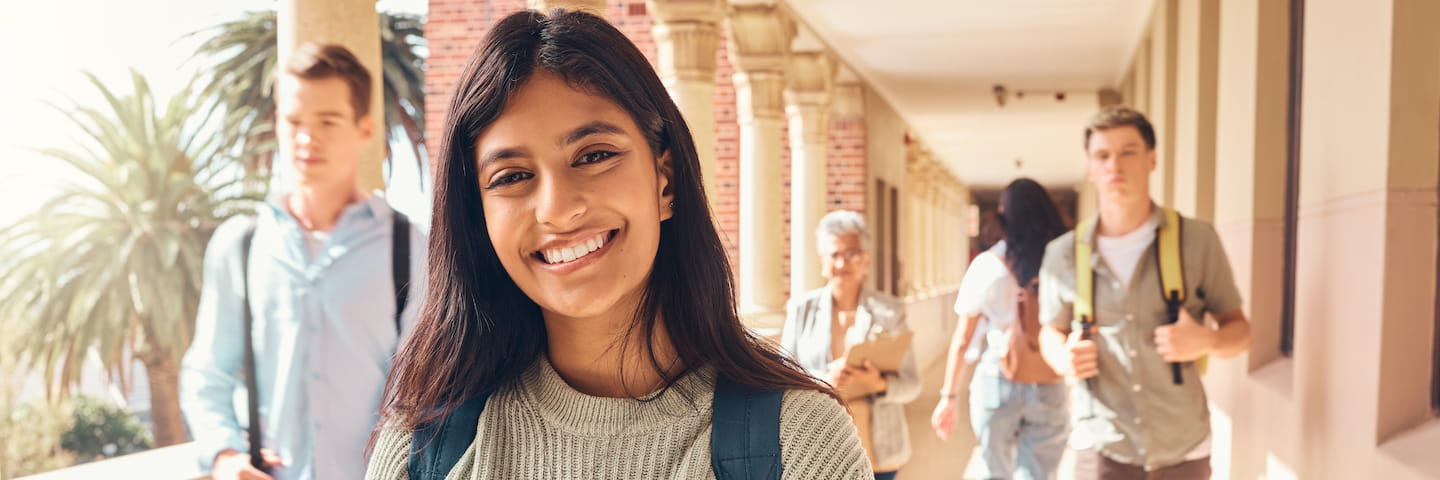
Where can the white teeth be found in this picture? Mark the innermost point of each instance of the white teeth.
(570, 254)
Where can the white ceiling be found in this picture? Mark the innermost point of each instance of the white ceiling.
(936, 61)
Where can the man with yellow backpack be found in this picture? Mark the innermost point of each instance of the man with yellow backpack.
(1123, 298)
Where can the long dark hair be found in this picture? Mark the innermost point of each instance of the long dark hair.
(1031, 221)
(478, 331)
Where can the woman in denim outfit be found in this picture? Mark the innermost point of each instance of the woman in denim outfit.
(1021, 427)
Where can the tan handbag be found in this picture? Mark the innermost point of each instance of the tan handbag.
(1023, 362)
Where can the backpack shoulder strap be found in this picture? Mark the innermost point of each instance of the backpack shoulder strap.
(438, 446)
(745, 432)
(1172, 271)
(252, 387)
(1172, 274)
(400, 263)
(1084, 304)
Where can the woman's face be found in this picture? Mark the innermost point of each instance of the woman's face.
(843, 258)
(573, 198)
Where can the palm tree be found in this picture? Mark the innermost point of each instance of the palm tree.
(113, 262)
(245, 52)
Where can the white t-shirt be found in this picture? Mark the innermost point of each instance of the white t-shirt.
(990, 291)
(1122, 253)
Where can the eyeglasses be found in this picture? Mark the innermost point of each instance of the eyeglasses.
(851, 254)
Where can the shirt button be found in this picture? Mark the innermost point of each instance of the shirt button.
(1134, 353)
(1136, 388)
(1116, 285)
(1129, 317)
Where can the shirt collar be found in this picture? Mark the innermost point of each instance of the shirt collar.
(1092, 227)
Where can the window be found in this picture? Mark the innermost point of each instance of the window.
(1435, 367)
(1292, 177)
(881, 231)
(894, 229)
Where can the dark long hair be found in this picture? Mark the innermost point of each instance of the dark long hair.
(1031, 221)
(478, 331)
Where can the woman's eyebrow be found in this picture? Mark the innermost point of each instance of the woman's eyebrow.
(593, 128)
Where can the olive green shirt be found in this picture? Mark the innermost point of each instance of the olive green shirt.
(1137, 415)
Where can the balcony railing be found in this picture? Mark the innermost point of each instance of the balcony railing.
(175, 462)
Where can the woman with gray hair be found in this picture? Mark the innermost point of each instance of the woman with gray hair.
(821, 325)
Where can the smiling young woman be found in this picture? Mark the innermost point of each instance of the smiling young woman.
(579, 289)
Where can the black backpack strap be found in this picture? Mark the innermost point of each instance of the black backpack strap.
(252, 388)
(745, 432)
(400, 264)
(438, 446)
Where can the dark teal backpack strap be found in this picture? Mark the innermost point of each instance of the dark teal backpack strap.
(745, 433)
(437, 446)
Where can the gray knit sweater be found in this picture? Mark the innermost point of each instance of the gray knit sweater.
(542, 428)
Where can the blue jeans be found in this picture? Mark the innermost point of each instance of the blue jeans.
(1022, 428)
(886, 476)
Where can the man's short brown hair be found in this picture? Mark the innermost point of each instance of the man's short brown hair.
(318, 61)
(1119, 116)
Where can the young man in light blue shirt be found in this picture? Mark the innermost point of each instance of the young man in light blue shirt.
(321, 294)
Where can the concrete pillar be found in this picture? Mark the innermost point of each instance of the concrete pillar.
(1163, 34)
(596, 7)
(1195, 108)
(355, 25)
(927, 229)
(687, 36)
(759, 48)
(807, 105)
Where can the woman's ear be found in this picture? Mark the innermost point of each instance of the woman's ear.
(665, 171)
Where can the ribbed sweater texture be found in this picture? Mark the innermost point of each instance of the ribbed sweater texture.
(541, 428)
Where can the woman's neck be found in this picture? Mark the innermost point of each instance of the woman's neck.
(605, 357)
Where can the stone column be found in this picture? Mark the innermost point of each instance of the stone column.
(596, 7)
(932, 230)
(355, 25)
(759, 48)
(687, 37)
(807, 105)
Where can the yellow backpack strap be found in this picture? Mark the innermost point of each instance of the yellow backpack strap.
(1084, 305)
(1172, 271)
(1172, 275)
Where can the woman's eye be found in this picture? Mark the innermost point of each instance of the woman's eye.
(594, 157)
(509, 178)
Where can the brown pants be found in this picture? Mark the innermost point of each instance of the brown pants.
(1091, 465)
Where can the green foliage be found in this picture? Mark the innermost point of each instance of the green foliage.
(113, 262)
(102, 430)
(30, 438)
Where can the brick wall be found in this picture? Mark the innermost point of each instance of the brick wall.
(845, 181)
(455, 28)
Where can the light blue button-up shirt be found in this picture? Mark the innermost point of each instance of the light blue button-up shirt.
(325, 335)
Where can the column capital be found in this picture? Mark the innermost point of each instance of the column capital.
(685, 51)
(686, 11)
(596, 7)
(810, 79)
(848, 100)
(759, 94)
(760, 35)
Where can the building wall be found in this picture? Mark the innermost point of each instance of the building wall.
(1352, 401)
